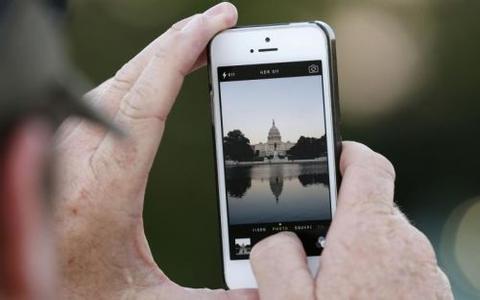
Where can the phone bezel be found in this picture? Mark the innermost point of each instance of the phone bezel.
(295, 42)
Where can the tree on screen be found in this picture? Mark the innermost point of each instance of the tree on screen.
(237, 147)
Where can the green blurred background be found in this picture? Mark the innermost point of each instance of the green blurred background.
(409, 87)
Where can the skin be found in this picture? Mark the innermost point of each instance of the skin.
(26, 248)
(372, 251)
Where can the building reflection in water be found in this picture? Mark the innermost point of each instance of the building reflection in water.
(276, 181)
(239, 178)
(288, 192)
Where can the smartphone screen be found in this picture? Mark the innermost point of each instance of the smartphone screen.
(275, 153)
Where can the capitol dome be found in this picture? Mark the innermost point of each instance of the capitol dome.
(274, 148)
(274, 133)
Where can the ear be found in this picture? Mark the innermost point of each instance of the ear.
(24, 241)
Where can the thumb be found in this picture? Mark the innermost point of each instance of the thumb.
(280, 267)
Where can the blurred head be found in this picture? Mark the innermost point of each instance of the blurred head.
(38, 90)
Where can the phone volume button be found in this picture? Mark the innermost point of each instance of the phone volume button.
(212, 111)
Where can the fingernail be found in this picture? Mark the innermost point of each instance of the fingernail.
(219, 9)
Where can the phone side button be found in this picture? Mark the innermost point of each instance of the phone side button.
(212, 111)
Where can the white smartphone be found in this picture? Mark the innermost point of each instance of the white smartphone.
(275, 116)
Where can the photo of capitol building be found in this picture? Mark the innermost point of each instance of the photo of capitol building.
(274, 147)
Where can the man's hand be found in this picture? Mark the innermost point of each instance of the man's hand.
(372, 251)
(101, 178)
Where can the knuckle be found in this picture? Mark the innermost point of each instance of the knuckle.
(170, 56)
(136, 112)
(374, 164)
(181, 48)
(123, 80)
(176, 27)
(143, 90)
(203, 24)
(384, 166)
(368, 191)
(176, 36)
(161, 52)
(201, 18)
(356, 154)
(198, 41)
(352, 146)
(351, 149)
(130, 111)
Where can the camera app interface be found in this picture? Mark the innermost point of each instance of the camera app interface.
(275, 153)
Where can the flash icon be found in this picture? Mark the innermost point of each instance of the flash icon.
(224, 75)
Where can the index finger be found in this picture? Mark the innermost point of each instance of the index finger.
(143, 110)
(108, 97)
